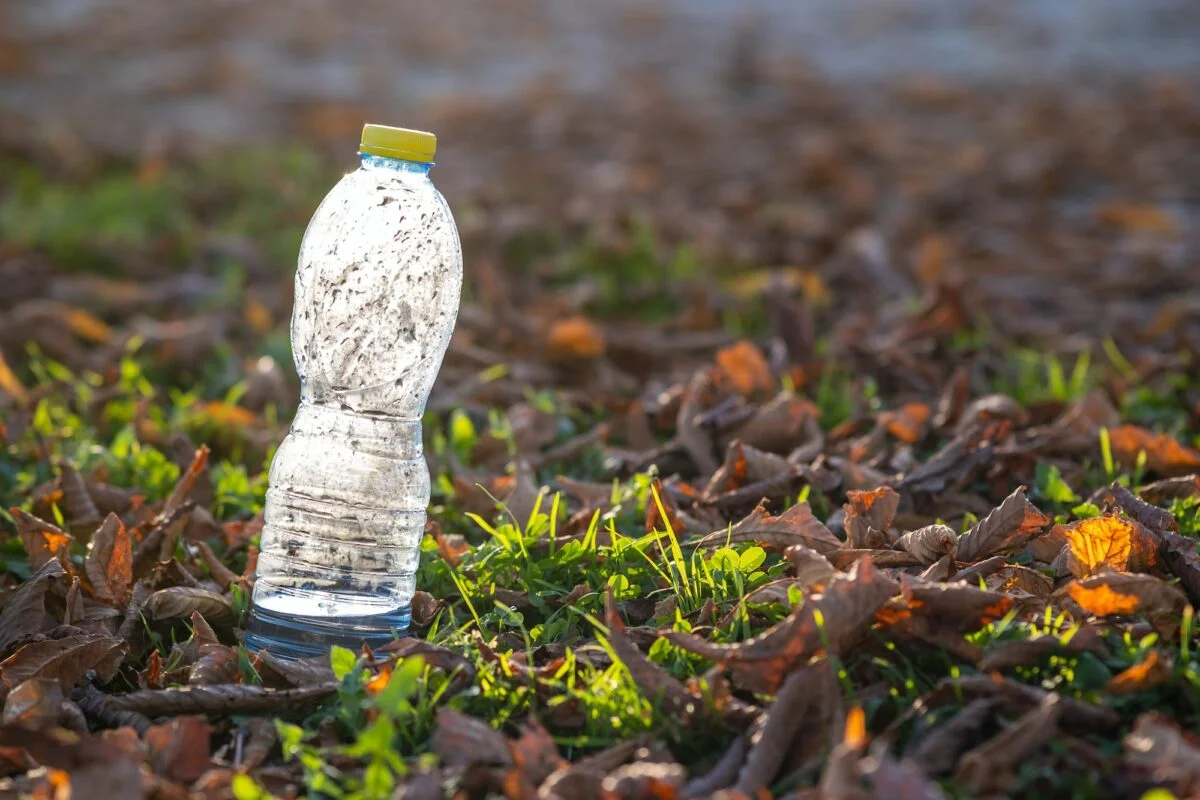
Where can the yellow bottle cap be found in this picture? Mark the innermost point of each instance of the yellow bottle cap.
(410, 145)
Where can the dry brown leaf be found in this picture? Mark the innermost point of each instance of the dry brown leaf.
(288, 673)
(187, 481)
(42, 540)
(796, 526)
(1179, 488)
(82, 514)
(804, 691)
(216, 664)
(1171, 755)
(461, 740)
(1119, 593)
(929, 544)
(810, 568)
(1164, 454)
(843, 559)
(25, 611)
(221, 574)
(846, 609)
(36, 702)
(866, 511)
(939, 750)
(1009, 527)
(109, 564)
(745, 368)
(991, 766)
(1180, 557)
(1151, 516)
(695, 441)
(180, 602)
(178, 749)
(226, 699)
(65, 660)
(958, 606)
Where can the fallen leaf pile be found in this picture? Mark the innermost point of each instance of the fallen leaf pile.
(858, 463)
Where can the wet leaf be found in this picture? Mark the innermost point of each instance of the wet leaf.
(109, 564)
(1009, 527)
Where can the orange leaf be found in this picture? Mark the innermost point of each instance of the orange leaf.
(1102, 601)
(1101, 541)
(907, 423)
(380, 680)
(744, 366)
(258, 316)
(1164, 453)
(1138, 218)
(86, 326)
(9, 382)
(1146, 674)
(576, 337)
(227, 415)
(856, 728)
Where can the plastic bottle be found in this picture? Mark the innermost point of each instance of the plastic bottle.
(377, 294)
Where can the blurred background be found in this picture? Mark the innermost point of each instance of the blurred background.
(637, 184)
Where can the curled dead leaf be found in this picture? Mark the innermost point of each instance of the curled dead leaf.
(109, 564)
(930, 543)
(1009, 527)
(180, 602)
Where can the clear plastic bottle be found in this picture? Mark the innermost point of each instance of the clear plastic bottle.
(377, 294)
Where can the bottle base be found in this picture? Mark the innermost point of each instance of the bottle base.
(294, 636)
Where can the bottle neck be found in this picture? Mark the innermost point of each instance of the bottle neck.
(394, 164)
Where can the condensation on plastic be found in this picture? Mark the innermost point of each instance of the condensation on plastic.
(377, 293)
